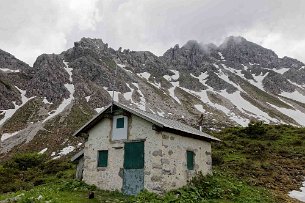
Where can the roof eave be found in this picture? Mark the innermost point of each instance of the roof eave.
(191, 135)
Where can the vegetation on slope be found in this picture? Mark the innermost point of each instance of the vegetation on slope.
(259, 163)
(269, 156)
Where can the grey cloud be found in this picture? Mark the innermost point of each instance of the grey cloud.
(37, 26)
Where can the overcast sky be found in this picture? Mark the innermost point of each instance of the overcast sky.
(32, 27)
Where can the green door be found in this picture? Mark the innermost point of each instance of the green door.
(133, 180)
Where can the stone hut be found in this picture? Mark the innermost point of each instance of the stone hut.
(128, 149)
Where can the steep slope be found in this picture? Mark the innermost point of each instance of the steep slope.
(209, 85)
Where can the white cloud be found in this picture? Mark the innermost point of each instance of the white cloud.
(29, 29)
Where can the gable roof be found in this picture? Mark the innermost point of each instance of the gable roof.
(164, 123)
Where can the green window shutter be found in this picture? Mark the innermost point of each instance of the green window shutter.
(190, 160)
(120, 123)
(102, 158)
(134, 155)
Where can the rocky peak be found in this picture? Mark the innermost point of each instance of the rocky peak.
(48, 77)
(288, 62)
(8, 61)
(192, 45)
(91, 43)
(233, 40)
(239, 50)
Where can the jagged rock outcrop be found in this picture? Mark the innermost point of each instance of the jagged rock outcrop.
(225, 85)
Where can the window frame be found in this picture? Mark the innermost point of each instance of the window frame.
(100, 163)
(121, 119)
(119, 134)
(190, 164)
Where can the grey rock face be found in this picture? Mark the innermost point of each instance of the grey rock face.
(10, 62)
(184, 83)
(10, 79)
(48, 77)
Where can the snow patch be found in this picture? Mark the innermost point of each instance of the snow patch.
(121, 65)
(87, 98)
(235, 98)
(172, 91)
(8, 135)
(69, 70)
(64, 103)
(299, 195)
(297, 115)
(246, 107)
(259, 80)
(64, 151)
(145, 75)
(300, 86)
(172, 77)
(205, 99)
(43, 151)
(98, 110)
(225, 77)
(281, 70)
(199, 108)
(296, 95)
(10, 112)
(113, 94)
(176, 75)
(128, 95)
(142, 103)
(6, 70)
(202, 77)
(221, 56)
(46, 101)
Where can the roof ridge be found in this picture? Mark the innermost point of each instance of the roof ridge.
(155, 119)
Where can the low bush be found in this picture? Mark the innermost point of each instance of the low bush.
(25, 161)
(24, 171)
(75, 185)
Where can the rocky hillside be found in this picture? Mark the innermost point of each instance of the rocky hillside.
(199, 84)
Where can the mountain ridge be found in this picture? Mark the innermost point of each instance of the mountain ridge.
(230, 84)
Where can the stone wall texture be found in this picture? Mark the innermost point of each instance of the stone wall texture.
(165, 156)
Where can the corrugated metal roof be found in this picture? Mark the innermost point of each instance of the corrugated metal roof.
(153, 118)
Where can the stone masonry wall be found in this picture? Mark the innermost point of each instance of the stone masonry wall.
(174, 168)
(165, 156)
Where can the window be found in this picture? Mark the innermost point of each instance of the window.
(190, 160)
(120, 122)
(119, 127)
(102, 158)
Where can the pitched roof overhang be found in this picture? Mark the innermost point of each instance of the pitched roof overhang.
(160, 122)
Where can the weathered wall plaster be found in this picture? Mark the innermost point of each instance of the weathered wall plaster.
(165, 156)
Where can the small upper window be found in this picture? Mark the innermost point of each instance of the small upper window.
(120, 122)
(190, 160)
(119, 127)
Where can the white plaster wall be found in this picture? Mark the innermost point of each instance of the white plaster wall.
(165, 156)
(119, 133)
(99, 139)
(108, 178)
(174, 163)
(142, 129)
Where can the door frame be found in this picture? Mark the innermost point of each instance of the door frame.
(135, 171)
